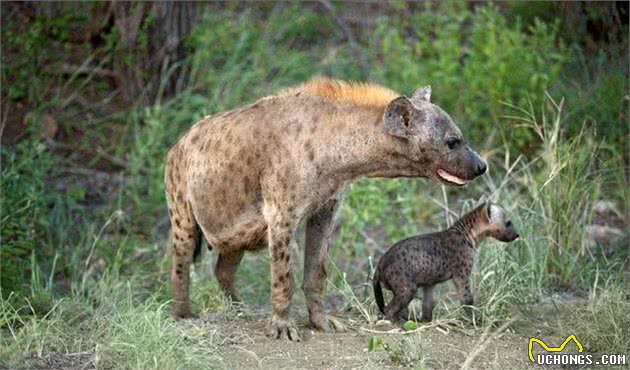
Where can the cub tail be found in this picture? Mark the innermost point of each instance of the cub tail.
(378, 293)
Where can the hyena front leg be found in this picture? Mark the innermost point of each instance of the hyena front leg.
(319, 228)
(281, 225)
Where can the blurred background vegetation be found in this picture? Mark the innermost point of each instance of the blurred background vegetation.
(94, 94)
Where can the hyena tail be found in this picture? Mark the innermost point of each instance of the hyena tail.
(199, 238)
(378, 293)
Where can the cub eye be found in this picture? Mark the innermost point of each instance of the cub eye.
(453, 142)
(508, 224)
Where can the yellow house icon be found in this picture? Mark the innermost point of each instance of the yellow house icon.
(552, 349)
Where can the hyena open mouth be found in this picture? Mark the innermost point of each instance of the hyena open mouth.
(450, 178)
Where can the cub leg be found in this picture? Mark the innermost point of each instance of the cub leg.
(402, 297)
(462, 284)
(427, 303)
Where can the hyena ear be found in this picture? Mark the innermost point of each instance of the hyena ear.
(423, 94)
(398, 118)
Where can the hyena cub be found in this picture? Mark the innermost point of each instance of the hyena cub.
(426, 260)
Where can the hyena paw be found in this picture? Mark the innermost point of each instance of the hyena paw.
(327, 324)
(284, 329)
(183, 312)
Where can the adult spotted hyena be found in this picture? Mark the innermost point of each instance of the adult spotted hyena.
(245, 178)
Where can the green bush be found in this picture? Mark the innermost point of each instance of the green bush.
(22, 56)
(23, 210)
(596, 90)
(475, 61)
(239, 57)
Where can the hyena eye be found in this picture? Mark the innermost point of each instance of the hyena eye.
(508, 224)
(453, 142)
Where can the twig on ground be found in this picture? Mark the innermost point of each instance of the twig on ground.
(440, 325)
(250, 353)
(483, 343)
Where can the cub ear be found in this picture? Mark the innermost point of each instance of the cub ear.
(398, 118)
(423, 94)
(488, 208)
(483, 199)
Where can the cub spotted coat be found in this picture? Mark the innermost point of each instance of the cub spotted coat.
(426, 260)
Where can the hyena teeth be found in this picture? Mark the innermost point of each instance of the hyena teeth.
(451, 178)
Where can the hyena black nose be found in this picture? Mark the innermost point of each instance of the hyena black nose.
(481, 168)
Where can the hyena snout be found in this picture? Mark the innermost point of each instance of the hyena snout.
(510, 235)
(478, 166)
(463, 166)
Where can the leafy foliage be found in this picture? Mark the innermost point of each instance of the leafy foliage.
(473, 69)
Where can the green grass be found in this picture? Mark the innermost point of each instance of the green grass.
(111, 328)
(22, 182)
(602, 323)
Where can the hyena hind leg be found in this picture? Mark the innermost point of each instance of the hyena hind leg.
(186, 236)
(225, 271)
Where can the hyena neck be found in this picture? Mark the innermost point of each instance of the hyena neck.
(472, 226)
(360, 147)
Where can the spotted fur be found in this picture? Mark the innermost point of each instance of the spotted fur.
(245, 178)
(426, 260)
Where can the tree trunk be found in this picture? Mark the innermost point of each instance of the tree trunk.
(150, 60)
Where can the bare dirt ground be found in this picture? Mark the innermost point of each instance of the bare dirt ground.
(241, 343)
(237, 337)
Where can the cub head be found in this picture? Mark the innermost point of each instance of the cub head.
(430, 141)
(500, 227)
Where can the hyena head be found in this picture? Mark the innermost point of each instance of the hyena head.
(431, 140)
(500, 227)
